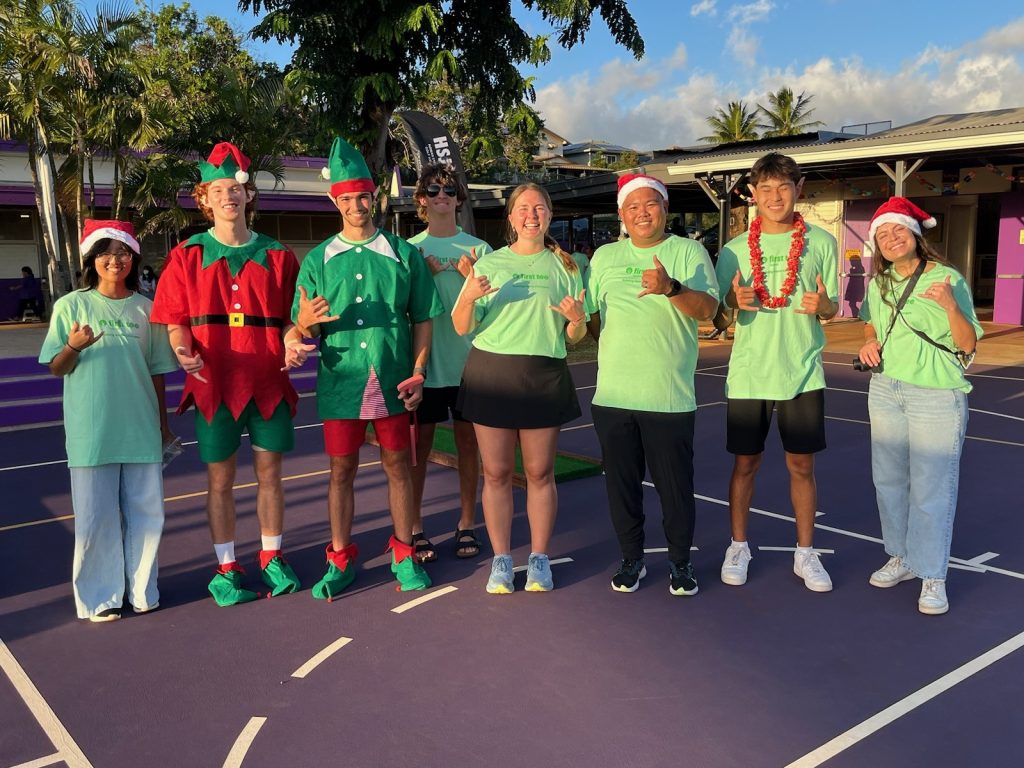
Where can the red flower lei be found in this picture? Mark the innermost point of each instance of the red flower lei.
(792, 262)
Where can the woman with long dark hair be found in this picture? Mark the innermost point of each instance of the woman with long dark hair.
(920, 335)
(524, 302)
(112, 361)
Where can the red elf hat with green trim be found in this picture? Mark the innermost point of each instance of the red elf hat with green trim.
(226, 161)
(347, 170)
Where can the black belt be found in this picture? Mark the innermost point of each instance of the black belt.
(236, 320)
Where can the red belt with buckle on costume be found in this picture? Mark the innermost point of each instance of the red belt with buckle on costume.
(237, 320)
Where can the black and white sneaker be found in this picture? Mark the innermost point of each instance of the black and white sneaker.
(682, 582)
(627, 578)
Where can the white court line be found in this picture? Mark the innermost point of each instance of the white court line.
(54, 729)
(793, 549)
(425, 598)
(711, 368)
(243, 742)
(656, 550)
(556, 561)
(875, 723)
(954, 562)
(994, 413)
(42, 762)
(967, 437)
(321, 657)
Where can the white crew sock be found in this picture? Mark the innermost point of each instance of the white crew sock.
(225, 552)
(270, 543)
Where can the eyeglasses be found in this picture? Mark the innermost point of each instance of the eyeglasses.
(433, 190)
(124, 258)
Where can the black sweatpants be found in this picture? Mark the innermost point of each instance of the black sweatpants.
(632, 441)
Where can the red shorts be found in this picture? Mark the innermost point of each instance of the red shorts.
(343, 437)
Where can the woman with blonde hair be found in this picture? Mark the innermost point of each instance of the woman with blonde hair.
(524, 302)
(920, 336)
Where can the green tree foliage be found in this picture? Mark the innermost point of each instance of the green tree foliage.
(360, 62)
(490, 144)
(734, 123)
(786, 115)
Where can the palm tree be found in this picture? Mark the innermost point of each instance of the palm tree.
(734, 123)
(786, 116)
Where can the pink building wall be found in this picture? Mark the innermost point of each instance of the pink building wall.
(1009, 299)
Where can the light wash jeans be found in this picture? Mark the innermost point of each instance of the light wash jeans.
(917, 434)
(119, 516)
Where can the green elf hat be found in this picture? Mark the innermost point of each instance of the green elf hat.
(225, 162)
(346, 170)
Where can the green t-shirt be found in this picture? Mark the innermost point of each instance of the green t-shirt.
(517, 319)
(906, 356)
(583, 262)
(111, 414)
(648, 348)
(448, 350)
(777, 352)
(380, 288)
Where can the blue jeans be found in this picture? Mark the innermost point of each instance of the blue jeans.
(917, 434)
(119, 516)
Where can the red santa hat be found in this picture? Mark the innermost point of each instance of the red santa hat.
(630, 182)
(94, 230)
(899, 210)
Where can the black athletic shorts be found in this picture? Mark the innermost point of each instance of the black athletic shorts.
(801, 424)
(438, 404)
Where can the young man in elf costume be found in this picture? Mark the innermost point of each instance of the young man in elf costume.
(225, 296)
(439, 196)
(373, 358)
(645, 296)
(782, 277)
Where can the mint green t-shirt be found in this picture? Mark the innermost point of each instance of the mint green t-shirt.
(777, 352)
(648, 348)
(517, 319)
(110, 407)
(448, 350)
(906, 356)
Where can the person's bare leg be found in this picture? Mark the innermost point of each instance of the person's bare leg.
(469, 472)
(803, 493)
(424, 443)
(741, 491)
(269, 493)
(400, 494)
(341, 502)
(538, 447)
(497, 453)
(220, 499)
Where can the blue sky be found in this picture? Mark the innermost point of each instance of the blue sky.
(861, 60)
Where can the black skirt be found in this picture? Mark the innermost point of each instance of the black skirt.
(517, 391)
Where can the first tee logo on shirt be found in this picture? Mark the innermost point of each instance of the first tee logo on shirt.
(114, 325)
(530, 277)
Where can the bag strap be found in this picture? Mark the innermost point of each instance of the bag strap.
(961, 357)
(902, 301)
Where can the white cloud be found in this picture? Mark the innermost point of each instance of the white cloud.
(745, 14)
(638, 105)
(678, 58)
(1009, 37)
(742, 45)
(704, 6)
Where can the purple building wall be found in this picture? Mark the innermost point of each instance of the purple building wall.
(1009, 300)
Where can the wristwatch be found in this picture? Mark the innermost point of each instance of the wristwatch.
(420, 370)
(677, 288)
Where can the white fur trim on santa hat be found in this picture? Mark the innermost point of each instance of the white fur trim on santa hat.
(109, 233)
(241, 177)
(639, 182)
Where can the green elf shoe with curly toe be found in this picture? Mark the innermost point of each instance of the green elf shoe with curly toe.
(226, 586)
(410, 574)
(341, 572)
(277, 574)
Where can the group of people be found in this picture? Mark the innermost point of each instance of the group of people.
(412, 333)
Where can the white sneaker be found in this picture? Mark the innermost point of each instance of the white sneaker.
(734, 567)
(809, 568)
(933, 597)
(890, 574)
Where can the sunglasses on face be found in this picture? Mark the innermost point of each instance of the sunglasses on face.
(433, 190)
